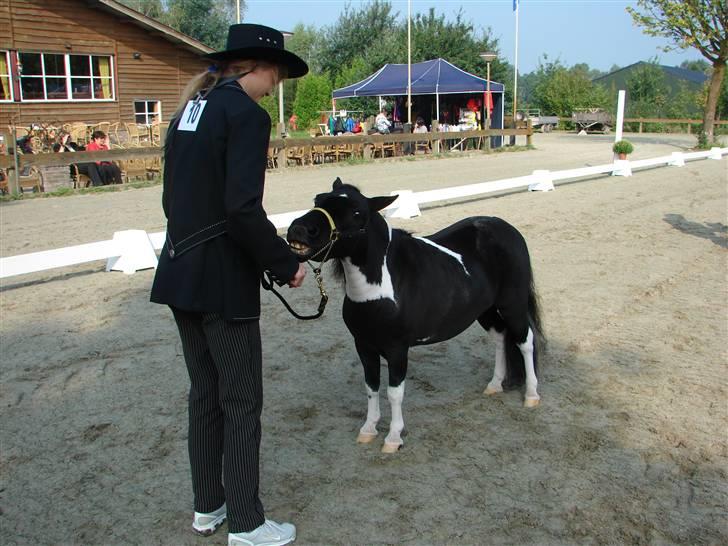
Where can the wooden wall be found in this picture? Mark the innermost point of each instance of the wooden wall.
(74, 26)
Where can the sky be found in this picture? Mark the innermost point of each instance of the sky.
(597, 32)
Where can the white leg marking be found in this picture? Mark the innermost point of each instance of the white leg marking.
(393, 441)
(496, 383)
(532, 397)
(369, 430)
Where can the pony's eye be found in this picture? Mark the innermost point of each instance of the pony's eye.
(357, 213)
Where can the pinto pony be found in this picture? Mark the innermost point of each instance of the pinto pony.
(403, 291)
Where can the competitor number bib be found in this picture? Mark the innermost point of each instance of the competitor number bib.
(191, 115)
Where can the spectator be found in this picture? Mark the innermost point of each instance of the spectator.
(382, 123)
(64, 144)
(293, 122)
(110, 172)
(420, 126)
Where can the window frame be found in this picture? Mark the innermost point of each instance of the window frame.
(157, 116)
(68, 77)
(9, 75)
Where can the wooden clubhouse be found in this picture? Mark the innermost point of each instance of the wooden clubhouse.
(90, 61)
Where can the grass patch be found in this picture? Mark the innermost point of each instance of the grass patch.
(65, 192)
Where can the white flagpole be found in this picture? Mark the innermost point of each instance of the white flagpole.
(515, 66)
(409, 63)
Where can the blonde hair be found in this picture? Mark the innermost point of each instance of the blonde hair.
(220, 70)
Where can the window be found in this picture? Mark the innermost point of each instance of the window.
(147, 111)
(51, 77)
(6, 88)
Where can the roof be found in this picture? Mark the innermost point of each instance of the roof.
(150, 24)
(692, 76)
(428, 78)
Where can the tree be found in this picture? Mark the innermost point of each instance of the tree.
(203, 20)
(357, 32)
(558, 90)
(702, 24)
(698, 65)
(647, 90)
(313, 96)
(150, 8)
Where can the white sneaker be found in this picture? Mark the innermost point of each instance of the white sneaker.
(206, 524)
(268, 534)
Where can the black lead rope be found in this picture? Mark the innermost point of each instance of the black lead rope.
(268, 284)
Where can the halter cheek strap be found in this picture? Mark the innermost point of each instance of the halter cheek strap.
(334, 232)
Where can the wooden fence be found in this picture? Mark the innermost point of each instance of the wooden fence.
(664, 121)
(439, 141)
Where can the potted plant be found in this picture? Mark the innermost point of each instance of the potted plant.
(622, 148)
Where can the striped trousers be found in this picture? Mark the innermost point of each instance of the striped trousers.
(226, 398)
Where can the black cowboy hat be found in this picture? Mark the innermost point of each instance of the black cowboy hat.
(246, 41)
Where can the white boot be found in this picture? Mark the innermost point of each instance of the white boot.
(268, 534)
(206, 524)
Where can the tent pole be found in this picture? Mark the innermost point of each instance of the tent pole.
(409, 63)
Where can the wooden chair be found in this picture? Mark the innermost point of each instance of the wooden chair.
(422, 145)
(80, 180)
(296, 154)
(331, 153)
(345, 151)
(383, 149)
(155, 134)
(272, 158)
(102, 126)
(113, 133)
(4, 189)
(79, 133)
(133, 169)
(133, 134)
(153, 166)
(317, 154)
(32, 179)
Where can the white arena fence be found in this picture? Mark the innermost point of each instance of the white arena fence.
(133, 250)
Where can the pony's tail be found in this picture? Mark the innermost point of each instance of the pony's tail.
(515, 367)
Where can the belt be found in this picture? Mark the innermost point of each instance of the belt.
(205, 234)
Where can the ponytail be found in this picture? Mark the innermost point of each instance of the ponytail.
(209, 79)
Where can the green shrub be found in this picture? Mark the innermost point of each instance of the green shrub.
(623, 147)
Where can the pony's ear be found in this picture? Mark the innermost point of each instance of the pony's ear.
(378, 203)
(337, 183)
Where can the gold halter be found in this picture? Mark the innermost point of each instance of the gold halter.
(334, 232)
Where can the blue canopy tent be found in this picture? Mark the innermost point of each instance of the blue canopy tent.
(435, 77)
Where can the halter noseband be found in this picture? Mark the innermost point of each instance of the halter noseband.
(332, 225)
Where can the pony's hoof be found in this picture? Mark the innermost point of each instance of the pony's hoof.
(492, 390)
(391, 448)
(365, 437)
(531, 402)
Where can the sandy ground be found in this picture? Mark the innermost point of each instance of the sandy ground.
(629, 445)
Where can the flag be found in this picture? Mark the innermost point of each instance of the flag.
(515, 5)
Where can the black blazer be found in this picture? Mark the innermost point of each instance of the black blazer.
(217, 229)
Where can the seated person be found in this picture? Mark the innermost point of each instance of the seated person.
(110, 172)
(382, 123)
(420, 126)
(25, 146)
(65, 144)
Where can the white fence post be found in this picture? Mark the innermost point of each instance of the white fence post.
(620, 116)
(542, 181)
(135, 252)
